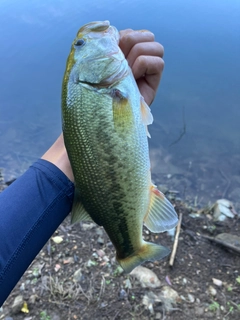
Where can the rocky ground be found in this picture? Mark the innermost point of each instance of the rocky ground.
(75, 276)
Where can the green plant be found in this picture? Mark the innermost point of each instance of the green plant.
(231, 308)
(214, 306)
(44, 316)
(117, 271)
(238, 279)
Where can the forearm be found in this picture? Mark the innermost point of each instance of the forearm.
(31, 209)
(57, 155)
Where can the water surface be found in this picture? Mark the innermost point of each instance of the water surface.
(199, 89)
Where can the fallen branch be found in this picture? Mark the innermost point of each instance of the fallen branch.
(224, 244)
(175, 244)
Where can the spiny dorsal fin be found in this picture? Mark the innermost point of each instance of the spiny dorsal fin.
(161, 215)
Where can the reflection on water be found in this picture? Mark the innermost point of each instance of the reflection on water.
(202, 75)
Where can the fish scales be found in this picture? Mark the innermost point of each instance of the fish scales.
(106, 140)
(107, 163)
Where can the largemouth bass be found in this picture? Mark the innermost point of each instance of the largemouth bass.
(105, 120)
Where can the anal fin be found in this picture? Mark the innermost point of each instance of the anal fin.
(161, 215)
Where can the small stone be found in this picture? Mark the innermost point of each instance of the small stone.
(223, 208)
(104, 304)
(57, 239)
(87, 226)
(68, 260)
(57, 267)
(122, 294)
(77, 275)
(17, 304)
(212, 291)
(32, 299)
(217, 282)
(105, 258)
(99, 232)
(101, 253)
(100, 240)
(191, 298)
(170, 294)
(22, 287)
(158, 316)
(146, 277)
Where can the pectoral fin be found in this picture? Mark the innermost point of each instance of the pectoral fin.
(161, 215)
(78, 211)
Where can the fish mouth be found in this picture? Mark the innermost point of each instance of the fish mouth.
(95, 26)
(105, 83)
(96, 29)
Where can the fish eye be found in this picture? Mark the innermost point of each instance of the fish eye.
(79, 43)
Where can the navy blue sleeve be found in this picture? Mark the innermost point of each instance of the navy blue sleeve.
(31, 209)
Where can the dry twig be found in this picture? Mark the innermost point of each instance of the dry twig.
(174, 250)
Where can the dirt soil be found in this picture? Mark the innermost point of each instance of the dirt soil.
(79, 278)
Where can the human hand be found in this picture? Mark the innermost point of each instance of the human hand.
(144, 56)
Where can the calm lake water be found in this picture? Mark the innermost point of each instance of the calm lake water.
(199, 92)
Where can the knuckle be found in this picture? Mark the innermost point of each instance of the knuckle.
(161, 64)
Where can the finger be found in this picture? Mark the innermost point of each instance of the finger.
(148, 66)
(128, 38)
(147, 70)
(146, 91)
(145, 49)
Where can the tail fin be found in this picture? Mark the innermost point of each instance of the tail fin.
(148, 252)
